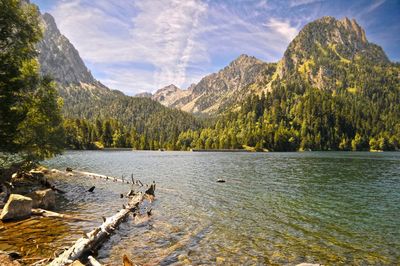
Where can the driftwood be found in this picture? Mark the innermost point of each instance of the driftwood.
(114, 179)
(46, 213)
(93, 240)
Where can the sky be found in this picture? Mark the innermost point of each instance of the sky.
(142, 45)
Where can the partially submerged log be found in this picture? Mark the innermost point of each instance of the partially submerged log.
(89, 174)
(46, 213)
(93, 240)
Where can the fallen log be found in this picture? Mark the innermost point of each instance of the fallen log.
(94, 175)
(93, 240)
(46, 213)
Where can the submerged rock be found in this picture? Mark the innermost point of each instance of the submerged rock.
(45, 199)
(17, 207)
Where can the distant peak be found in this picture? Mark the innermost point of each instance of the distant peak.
(170, 87)
(244, 58)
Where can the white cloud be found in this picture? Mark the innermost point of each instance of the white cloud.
(282, 27)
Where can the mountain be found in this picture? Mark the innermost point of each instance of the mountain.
(85, 97)
(325, 48)
(218, 91)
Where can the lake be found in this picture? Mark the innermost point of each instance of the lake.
(274, 209)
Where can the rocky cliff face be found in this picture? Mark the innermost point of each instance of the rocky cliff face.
(59, 58)
(217, 91)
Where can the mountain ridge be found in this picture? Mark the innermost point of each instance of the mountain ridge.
(214, 91)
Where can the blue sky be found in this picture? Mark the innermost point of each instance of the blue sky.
(143, 45)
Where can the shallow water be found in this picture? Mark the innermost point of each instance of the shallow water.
(275, 208)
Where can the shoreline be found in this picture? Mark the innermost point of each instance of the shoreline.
(227, 150)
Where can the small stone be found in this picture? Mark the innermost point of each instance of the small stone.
(45, 199)
(16, 207)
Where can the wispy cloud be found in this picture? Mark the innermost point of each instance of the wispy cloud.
(295, 3)
(373, 6)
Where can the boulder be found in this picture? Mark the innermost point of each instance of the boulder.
(45, 199)
(16, 207)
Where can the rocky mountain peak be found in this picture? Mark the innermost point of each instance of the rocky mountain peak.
(59, 58)
(325, 43)
(168, 94)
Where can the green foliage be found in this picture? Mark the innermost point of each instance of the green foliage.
(30, 120)
(41, 133)
(19, 32)
(295, 116)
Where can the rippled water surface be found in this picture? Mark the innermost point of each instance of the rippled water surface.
(275, 208)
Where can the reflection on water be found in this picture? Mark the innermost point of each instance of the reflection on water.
(275, 208)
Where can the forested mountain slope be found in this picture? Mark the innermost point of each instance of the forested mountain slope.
(332, 90)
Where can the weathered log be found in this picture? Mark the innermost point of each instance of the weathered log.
(96, 237)
(94, 175)
(46, 213)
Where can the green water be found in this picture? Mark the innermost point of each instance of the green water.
(275, 208)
